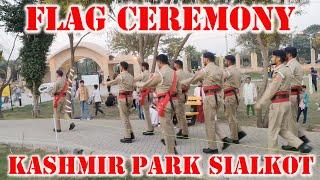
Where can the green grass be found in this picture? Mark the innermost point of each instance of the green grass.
(26, 112)
(46, 112)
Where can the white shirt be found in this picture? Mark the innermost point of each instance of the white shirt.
(249, 93)
(154, 116)
(198, 91)
(96, 95)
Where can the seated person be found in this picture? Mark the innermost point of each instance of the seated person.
(111, 100)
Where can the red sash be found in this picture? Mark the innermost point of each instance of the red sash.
(162, 103)
(61, 94)
(143, 94)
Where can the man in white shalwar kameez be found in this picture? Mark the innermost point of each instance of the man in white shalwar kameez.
(249, 95)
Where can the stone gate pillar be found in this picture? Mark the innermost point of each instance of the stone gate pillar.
(221, 63)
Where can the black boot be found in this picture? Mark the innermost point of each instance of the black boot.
(241, 135)
(289, 148)
(305, 148)
(148, 133)
(210, 151)
(235, 141)
(175, 151)
(126, 140)
(226, 143)
(58, 130)
(179, 133)
(304, 139)
(183, 137)
(72, 126)
(132, 136)
(164, 142)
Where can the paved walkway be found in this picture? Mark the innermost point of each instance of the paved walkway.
(102, 136)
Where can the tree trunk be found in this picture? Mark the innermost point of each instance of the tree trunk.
(265, 57)
(71, 38)
(185, 39)
(35, 95)
(155, 53)
(1, 113)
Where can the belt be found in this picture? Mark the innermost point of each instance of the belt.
(231, 91)
(211, 90)
(281, 96)
(125, 95)
(173, 96)
(296, 90)
(143, 94)
(58, 94)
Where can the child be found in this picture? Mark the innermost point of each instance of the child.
(97, 99)
(303, 106)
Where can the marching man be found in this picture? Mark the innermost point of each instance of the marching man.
(145, 97)
(295, 96)
(280, 109)
(231, 85)
(182, 99)
(125, 82)
(212, 77)
(165, 81)
(59, 93)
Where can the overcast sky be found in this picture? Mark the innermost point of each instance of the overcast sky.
(213, 41)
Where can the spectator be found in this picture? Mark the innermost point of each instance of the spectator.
(303, 105)
(111, 100)
(314, 76)
(198, 91)
(83, 96)
(249, 95)
(18, 96)
(135, 98)
(109, 87)
(97, 99)
(154, 115)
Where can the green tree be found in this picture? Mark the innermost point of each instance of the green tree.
(35, 47)
(33, 55)
(193, 57)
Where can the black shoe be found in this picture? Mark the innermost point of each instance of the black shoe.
(148, 133)
(235, 141)
(58, 130)
(210, 151)
(164, 142)
(304, 139)
(179, 133)
(226, 143)
(289, 148)
(183, 137)
(175, 151)
(132, 136)
(241, 135)
(72, 126)
(305, 148)
(126, 140)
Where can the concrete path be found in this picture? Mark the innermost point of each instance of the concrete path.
(102, 137)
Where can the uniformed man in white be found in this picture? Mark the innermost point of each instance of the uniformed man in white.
(295, 95)
(212, 80)
(145, 97)
(125, 82)
(165, 81)
(278, 92)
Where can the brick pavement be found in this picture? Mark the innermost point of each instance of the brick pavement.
(102, 137)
